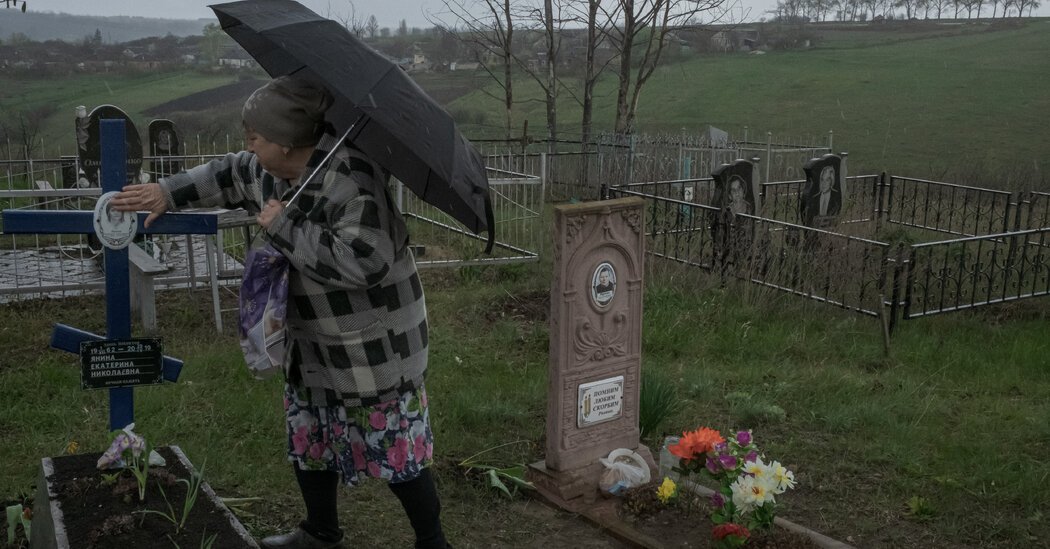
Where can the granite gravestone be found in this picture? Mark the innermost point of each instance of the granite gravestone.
(595, 347)
(736, 194)
(736, 189)
(824, 192)
(164, 143)
(89, 148)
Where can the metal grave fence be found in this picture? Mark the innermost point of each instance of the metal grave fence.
(873, 262)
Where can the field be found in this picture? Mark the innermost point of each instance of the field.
(941, 443)
(922, 106)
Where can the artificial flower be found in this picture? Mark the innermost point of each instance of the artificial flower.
(743, 438)
(667, 490)
(696, 443)
(729, 529)
(756, 468)
(783, 478)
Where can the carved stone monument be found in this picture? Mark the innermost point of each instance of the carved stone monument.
(595, 347)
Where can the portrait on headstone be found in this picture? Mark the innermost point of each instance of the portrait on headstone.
(821, 200)
(114, 228)
(736, 194)
(735, 189)
(163, 143)
(603, 284)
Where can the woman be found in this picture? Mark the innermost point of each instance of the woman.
(356, 344)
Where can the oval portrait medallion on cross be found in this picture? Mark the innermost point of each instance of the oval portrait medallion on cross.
(114, 228)
(603, 284)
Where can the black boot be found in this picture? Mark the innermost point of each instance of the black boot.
(420, 500)
(298, 539)
(320, 530)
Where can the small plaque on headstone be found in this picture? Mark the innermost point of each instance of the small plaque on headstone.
(600, 401)
(121, 363)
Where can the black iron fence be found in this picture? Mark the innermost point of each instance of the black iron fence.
(964, 273)
(1003, 253)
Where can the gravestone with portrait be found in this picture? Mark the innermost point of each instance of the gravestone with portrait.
(824, 192)
(595, 348)
(736, 194)
(89, 139)
(165, 147)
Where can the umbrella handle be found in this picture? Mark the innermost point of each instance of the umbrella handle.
(324, 160)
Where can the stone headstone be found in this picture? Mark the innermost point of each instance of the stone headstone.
(164, 142)
(736, 192)
(824, 192)
(89, 148)
(736, 188)
(595, 346)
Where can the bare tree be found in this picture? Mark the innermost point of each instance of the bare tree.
(488, 26)
(372, 27)
(874, 6)
(350, 21)
(910, 6)
(546, 18)
(1030, 5)
(643, 28)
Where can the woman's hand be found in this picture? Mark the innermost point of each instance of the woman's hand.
(270, 212)
(144, 197)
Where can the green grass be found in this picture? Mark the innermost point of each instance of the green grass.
(956, 415)
(944, 104)
(132, 92)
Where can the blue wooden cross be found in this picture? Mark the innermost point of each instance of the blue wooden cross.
(118, 298)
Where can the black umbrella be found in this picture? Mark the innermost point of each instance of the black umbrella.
(384, 112)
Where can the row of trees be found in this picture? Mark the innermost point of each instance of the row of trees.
(633, 33)
(860, 10)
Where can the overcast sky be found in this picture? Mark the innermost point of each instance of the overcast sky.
(389, 13)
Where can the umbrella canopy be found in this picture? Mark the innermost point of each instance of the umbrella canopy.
(392, 119)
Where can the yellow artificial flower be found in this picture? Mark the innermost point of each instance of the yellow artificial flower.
(667, 490)
(72, 447)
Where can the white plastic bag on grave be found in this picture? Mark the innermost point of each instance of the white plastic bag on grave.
(624, 469)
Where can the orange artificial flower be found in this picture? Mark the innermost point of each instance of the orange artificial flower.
(695, 444)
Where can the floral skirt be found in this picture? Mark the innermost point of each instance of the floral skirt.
(392, 440)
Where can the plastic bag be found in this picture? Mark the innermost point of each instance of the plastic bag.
(624, 469)
(263, 305)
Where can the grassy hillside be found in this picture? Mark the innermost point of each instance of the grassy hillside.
(932, 103)
(920, 106)
(134, 93)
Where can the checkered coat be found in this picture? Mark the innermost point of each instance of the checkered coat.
(357, 326)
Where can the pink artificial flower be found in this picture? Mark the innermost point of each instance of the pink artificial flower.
(377, 420)
(743, 438)
(397, 455)
(300, 441)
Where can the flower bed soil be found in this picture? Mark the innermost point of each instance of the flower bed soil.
(100, 515)
(687, 524)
